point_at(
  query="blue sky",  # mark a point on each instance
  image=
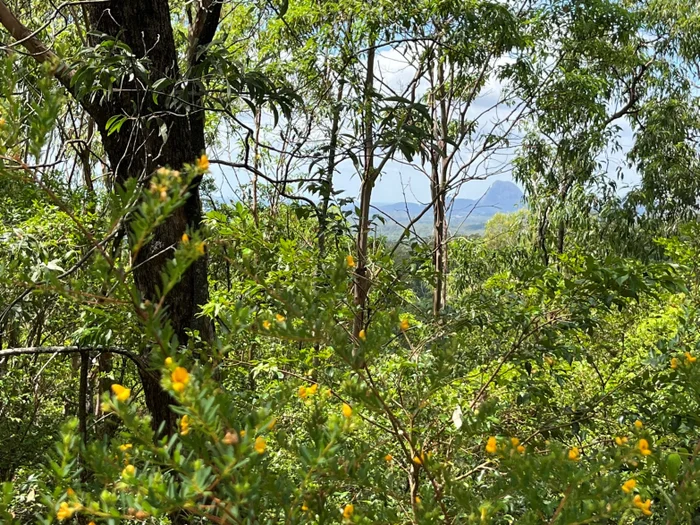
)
(400, 181)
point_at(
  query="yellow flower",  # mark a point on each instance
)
(690, 358)
(521, 449)
(404, 325)
(638, 424)
(418, 500)
(168, 362)
(70, 492)
(125, 447)
(574, 454)
(203, 163)
(515, 441)
(628, 486)
(362, 335)
(304, 507)
(312, 389)
(200, 247)
(122, 393)
(303, 392)
(185, 425)
(644, 447)
(180, 377)
(260, 444)
(644, 506)
(280, 318)
(242, 433)
(266, 324)
(417, 460)
(491, 445)
(128, 471)
(65, 511)
(91, 523)
(674, 363)
(347, 410)
(350, 261)
(348, 510)
(621, 440)
(185, 238)
(388, 458)
(2, 122)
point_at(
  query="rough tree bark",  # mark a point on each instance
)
(361, 285)
(439, 172)
(138, 150)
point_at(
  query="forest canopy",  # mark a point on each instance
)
(202, 319)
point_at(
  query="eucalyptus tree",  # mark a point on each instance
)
(142, 72)
(621, 93)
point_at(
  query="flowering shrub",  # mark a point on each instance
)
(562, 395)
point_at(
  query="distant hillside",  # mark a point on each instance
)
(465, 215)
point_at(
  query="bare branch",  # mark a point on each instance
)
(34, 350)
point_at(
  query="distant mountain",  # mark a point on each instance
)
(502, 196)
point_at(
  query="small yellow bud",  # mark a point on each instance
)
(491, 445)
(404, 325)
(122, 393)
(185, 425)
(347, 410)
(348, 511)
(350, 261)
(644, 447)
(185, 238)
(260, 444)
(362, 335)
(644, 506)
(628, 486)
(203, 163)
(638, 424)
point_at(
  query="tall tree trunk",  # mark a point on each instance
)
(362, 284)
(439, 170)
(256, 163)
(138, 148)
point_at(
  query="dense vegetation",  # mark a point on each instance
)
(168, 355)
